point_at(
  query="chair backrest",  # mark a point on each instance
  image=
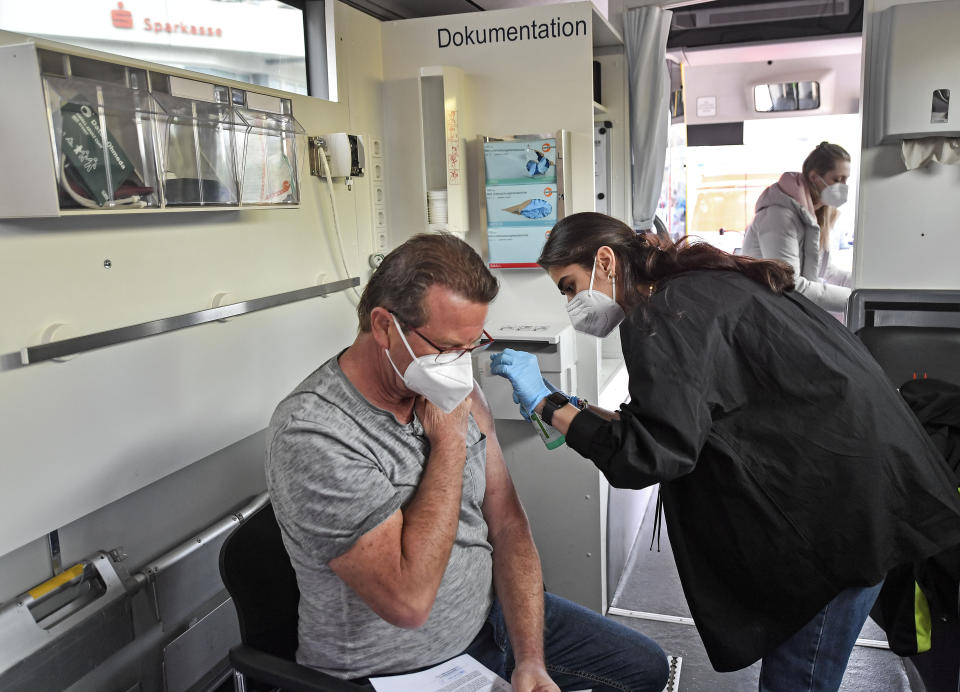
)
(256, 570)
(911, 353)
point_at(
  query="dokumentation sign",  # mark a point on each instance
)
(535, 30)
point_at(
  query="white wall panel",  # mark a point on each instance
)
(516, 87)
(81, 434)
(906, 236)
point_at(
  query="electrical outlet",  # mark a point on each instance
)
(379, 216)
(376, 166)
(382, 240)
(379, 193)
(376, 146)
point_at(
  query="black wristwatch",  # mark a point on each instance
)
(556, 400)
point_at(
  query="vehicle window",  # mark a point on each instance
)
(256, 41)
(786, 96)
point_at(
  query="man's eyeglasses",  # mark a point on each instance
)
(448, 355)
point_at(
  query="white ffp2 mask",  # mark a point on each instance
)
(594, 312)
(834, 195)
(443, 383)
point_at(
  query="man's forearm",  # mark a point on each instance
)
(430, 520)
(397, 566)
(519, 585)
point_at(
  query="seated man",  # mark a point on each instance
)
(396, 507)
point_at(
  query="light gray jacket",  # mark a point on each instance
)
(784, 230)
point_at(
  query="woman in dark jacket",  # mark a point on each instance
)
(792, 474)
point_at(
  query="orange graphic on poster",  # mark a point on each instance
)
(546, 147)
(547, 191)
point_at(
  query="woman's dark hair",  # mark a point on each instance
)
(401, 281)
(643, 259)
(821, 161)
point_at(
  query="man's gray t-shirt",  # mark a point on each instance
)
(337, 467)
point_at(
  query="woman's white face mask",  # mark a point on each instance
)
(594, 312)
(444, 382)
(833, 195)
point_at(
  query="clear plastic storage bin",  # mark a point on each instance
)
(93, 135)
(102, 121)
(271, 149)
(198, 157)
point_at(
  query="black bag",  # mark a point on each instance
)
(913, 595)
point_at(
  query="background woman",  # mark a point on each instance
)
(793, 476)
(793, 222)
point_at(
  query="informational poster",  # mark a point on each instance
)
(521, 199)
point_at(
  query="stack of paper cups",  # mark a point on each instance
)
(437, 209)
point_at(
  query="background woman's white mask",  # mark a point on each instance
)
(594, 312)
(833, 195)
(444, 383)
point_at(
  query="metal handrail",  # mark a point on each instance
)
(224, 525)
(89, 342)
(24, 633)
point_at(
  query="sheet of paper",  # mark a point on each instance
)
(461, 674)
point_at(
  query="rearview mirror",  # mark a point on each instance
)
(786, 96)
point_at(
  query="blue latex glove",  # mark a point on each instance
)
(523, 411)
(538, 166)
(523, 371)
(543, 164)
(537, 209)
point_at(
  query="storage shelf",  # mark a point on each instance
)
(176, 143)
(604, 34)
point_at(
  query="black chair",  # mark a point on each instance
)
(916, 353)
(256, 570)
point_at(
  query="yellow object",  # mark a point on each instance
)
(921, 615)
(56, 582)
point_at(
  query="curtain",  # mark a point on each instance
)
(645, 31)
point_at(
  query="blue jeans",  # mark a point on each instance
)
(814, 659)
(583, 650)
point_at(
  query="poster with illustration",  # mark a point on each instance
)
(521, 198)
(521, 205)
(520, 161)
